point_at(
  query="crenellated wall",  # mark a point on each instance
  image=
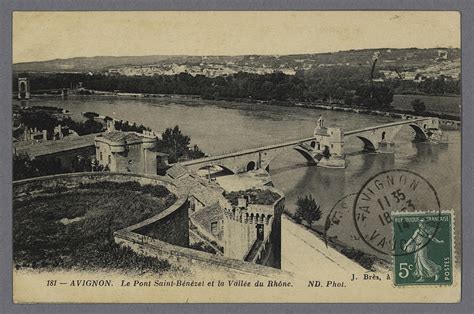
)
(241, 228)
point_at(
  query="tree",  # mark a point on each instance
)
(418, 106)
(39, 119)
(176, 144)
(90, 115)
(24, 167)
(378, 96)
(307, 209)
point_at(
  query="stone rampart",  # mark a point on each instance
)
(186, 257)
(164, 236)
(72, 180)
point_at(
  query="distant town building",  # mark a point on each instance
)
(206, 69)
(113, 72)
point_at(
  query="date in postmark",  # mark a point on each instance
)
(426, 254)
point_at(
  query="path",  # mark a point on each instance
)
(304, 253)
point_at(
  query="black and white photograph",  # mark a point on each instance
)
(236, 156)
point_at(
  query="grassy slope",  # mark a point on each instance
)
(42, 241)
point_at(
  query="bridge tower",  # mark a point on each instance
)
(329, 147)
(23, 88)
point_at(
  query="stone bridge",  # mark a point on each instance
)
(380, 138)
(247, 160)
(325, 148)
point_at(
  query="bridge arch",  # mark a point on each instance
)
(420, 133)
(225, 169)
(368, 144)
(305, 153)
(303, 149)
(251, 166)
(22, 87)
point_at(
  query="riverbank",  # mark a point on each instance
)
(447, 121)
(445, 124)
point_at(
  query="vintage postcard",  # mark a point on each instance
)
(257, 156)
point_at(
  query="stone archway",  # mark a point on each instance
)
(368, 144)
(251, 166)
(420, 134)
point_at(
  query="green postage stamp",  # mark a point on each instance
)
(423, 248)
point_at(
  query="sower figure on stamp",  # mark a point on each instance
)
(424, 267)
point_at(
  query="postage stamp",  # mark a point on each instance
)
(425, 256)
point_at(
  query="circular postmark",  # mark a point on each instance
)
(339, 224)
(397, 190)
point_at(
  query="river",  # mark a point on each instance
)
(223, 127)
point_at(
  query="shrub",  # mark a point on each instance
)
(366, 261)
(418, 106)
(307, 209)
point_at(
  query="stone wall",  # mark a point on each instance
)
(240, 231)
(72, 180)
(188, 257)
(170, 226)
(68, 157)
(163, 236)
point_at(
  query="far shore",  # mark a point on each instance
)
(197, 99)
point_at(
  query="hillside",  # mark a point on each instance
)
(388, 59)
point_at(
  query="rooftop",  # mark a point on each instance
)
(118, 136)
(177, 171)
(203, 192)
(52, 147)
(256, 196)
(207, 215)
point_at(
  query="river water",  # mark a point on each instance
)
(223, 127)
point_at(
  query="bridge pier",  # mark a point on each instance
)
(386, 147)
(328, 149)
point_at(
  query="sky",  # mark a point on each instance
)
(40, 36)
